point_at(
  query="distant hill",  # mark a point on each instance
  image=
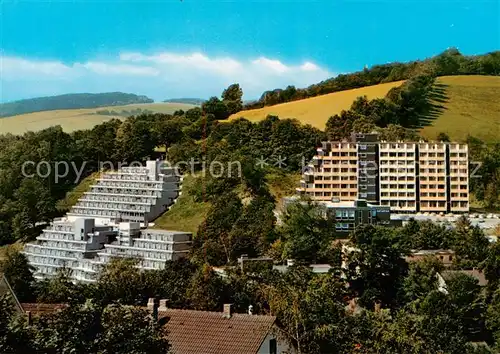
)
(83, 118)
(471, 107)
(70, 101)
(193, 101)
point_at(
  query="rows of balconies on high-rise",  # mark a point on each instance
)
(408, 176)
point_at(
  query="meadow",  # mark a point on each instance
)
(472, 106)
(317, 110)
(77, 119)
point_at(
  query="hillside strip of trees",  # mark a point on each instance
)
(70, 101)
(450, 62)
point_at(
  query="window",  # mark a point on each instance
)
(273, 347)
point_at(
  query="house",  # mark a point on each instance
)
(27, 309)
(447, 274)
(444, 256)
(6, 290)
(204, 332)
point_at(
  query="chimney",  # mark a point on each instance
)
(228, 310)
(163, 305)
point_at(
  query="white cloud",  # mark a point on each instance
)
(159, 75)
(119, 69)
(274, 65)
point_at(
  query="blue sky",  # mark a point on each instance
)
(195, 48)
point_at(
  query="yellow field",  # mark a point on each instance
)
(76, 119)
(317, 110)
(473, 107)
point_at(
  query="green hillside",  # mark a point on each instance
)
(72, 197)
(70, 101)
(472, 106)
(77, 119)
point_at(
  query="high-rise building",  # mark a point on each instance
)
(398, 164)
(333, 172)
(368, 162)
(407, 176)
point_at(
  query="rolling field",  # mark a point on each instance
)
(472, 107)
(317, 110)
(76, 119)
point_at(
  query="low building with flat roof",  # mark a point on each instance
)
(444, 256)
(349, 214)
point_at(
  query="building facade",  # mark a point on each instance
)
(131, 194)
(84, 248)
(409, 177)
(348, 215)
(111, 220)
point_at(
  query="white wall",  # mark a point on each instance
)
(283, 348)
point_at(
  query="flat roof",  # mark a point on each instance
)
(350, 204)
(161, 231)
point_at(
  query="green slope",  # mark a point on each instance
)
(472, 107)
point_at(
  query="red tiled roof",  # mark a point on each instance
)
(40, 309)
(202, 332)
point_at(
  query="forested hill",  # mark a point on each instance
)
(70, 101)
(450, 62)
(193, 101)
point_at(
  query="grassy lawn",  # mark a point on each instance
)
(186, 214)
(72, 197)
(473, 108)
(282, 184)
(3, 249)
(76, 119)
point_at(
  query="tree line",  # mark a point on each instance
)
(204, 134)
(450, 62)
(70, 101)
(378, 303)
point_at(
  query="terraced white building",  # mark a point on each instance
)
(131, 194)
(111, 221)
